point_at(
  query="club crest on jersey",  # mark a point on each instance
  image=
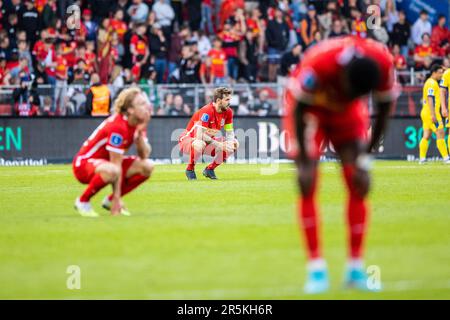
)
(205, 117)
(116, 140)
(308, 80)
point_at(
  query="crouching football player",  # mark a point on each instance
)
(200, 135)
(327, 100)
(102, 161)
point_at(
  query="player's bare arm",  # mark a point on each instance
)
(444, 103)
(432, 110)
(116, 160)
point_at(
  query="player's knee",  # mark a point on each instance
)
(305, 181)
(111, 172)
(361, 183)
(198, 145)
(147, 168)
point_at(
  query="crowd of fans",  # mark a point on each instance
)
(120, 42)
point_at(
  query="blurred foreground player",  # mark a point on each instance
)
(200, 135)
(102, 160)
(327, 101)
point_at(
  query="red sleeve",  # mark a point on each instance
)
(116, 137)
(134, 40)
(205, 118)
(388, 89)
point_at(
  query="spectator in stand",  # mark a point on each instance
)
(277, 36)
(158, 49)
(61, 69)
(262, 107)
(29, 21)
(399, 63)
(139, 47)
(337, 30)
(401, 33)
(231, 37)
(12, 27)
(204, 44)
(24, 52)
(308, 27)
(248, 56)
(26, 101)
(358, 24)
(420, 27)
(177, 41)
(90, 25)
(122, 5)
(105, 54)
(49, 14)
(189, 66)
(98, 99)
(194, 9)
(257, 25)
(290, 60)
(390, 16)
(219, 73)
(206, 23)
(179, 107)
(205, 71)
(327, 18)
(138, 11)
(5, 76)
(118, 24)
(20, 70)
(164, 16)
(423, 51)
(440, 37)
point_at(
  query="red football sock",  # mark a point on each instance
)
(218, 160)
(95, 185)
(356, 216)
(307, 213)
(192, 159)
(130, 184)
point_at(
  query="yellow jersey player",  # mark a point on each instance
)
(445, 99)
(431, 115)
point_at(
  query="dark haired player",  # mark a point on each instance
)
(200, 136)
(327, 101)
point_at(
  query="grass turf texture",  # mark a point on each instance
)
(232, 238)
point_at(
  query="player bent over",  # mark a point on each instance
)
(431, 116)
(102, 160)
(327, 100)
(200, 135)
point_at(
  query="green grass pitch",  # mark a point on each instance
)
(235, 238)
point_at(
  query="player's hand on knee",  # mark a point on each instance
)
(229, 146)
(198, 145)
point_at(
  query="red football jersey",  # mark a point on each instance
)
(209, 118)
(114, 134)
(318, 78)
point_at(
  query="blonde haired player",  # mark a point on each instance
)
(445, 99)
(102, 161)
(431, 115)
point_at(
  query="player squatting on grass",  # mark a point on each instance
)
(199, 138)
(102, 161)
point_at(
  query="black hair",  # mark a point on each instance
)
(423, 11)
(363, 75)
(434, 68)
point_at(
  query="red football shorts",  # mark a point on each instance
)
(84, 169)
(322, 125)
(185, 144)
